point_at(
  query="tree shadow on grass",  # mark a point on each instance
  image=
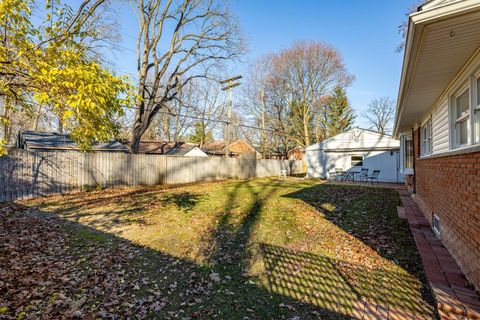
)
(342, 287)
(100, 275)
(184, 201)
(297, 284)
(369, 215)
(128, 206)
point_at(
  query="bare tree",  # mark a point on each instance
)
(172, 122)
(197, 35)
(286, 91)
(309, 70)
(380, 114)
(255, 103)
(210, 108)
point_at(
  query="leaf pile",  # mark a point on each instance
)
(43, 274)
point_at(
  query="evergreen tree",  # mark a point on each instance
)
(337, 115)
(200, 134)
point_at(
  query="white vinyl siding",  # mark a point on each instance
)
(440, 128)
(455, 121)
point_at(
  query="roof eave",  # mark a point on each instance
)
(416, 24)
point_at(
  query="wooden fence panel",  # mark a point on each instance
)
(26, 174)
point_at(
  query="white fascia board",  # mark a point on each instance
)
(449, 10)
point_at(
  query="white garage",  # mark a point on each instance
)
(354, 150)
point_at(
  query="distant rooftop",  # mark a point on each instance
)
(176, 148)
(33, 140)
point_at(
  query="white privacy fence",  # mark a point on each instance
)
(25, 174)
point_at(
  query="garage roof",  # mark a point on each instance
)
(357, 139)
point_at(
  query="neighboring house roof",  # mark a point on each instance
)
(236, 147)
(216, 147)
(296, 153)
(34, 140)
(186, 150)
(356, 139)
(297, 148)
(176, 148)
(442, 37)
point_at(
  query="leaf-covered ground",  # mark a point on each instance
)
(258, 249)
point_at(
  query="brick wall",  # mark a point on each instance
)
(450, 187)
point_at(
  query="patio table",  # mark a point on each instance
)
(354, 173)
(349, 175)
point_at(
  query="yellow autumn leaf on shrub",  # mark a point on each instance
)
(60, 75)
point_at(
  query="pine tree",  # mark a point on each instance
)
(200, 134)
(337, 114)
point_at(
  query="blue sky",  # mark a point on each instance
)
(365, 32)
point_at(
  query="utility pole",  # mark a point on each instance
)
(264, 133)
(230, 84)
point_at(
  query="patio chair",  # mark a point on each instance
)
(374, 176)
(349, 176)
(363, 175)
(335, 175)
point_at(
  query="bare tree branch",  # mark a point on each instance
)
(198, 34)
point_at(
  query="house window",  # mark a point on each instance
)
(356, 161)
(426, 138)
(436, 225)
(461, 114)
(407, 154)
(476, 112)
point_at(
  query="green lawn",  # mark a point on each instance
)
(255, 249)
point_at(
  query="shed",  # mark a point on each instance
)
(354, 150)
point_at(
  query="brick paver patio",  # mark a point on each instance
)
(455, 299)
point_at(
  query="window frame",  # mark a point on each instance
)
(475, 108)
(436, 225)
(426, 138)
(408, 170)
(359, 163)
(456, 121)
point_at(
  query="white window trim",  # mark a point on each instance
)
(475, 112)
(357, 155)
(426, 137)
(436, 222)
(403, 154)
(466, 116)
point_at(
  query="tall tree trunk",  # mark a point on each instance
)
(136, 136)
(6, 124)
(60, 125)
(306, 133)
(36, 118)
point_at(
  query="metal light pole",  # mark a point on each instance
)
(230, 84)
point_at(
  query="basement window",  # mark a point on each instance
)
(436, 225)
(356, 161)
